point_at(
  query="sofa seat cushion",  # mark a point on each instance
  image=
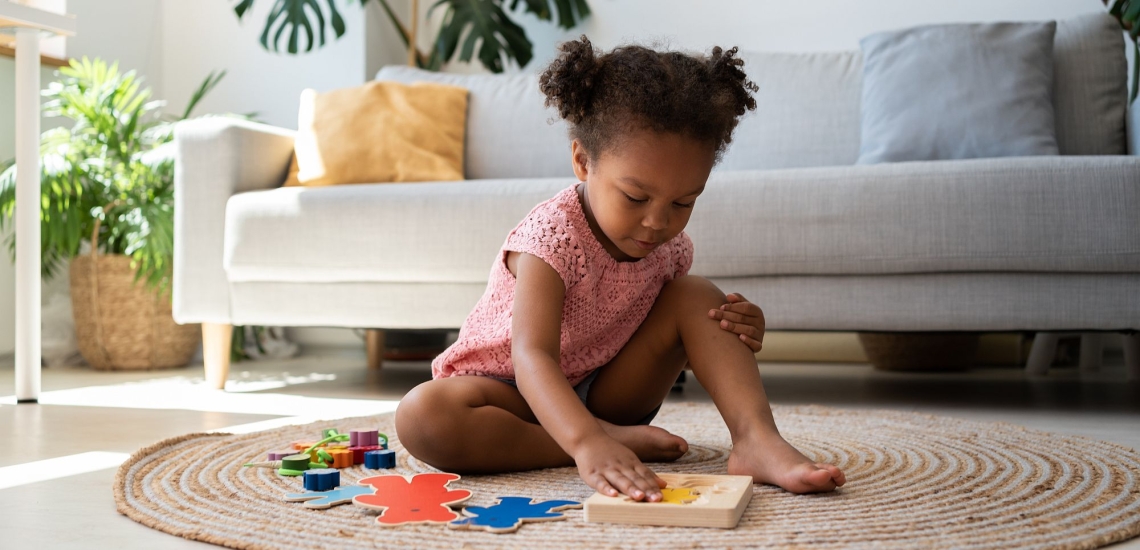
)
(429, 232)
(1044, 214)
(1032, 214)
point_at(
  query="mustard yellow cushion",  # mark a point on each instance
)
(380, 132)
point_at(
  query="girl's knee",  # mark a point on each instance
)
(691, 289)
(422, 419)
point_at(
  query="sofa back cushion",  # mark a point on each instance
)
(807, 112)
(510, 133)
(1090, 89)
(808, 108)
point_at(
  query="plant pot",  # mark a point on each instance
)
(124, 326)
(920, 351)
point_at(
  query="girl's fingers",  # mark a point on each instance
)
(605, 488)
(753, 344)
(626, 485)
(647, 485)
(742, 329)
(733, 316)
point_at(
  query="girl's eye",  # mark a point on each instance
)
(684, 205)
(638, 201)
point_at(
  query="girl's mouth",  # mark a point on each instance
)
(645, 245)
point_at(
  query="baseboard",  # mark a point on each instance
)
(999, 348)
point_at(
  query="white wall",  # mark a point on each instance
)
(199, 37)
(779, 25)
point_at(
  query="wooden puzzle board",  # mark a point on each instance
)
(713, 501)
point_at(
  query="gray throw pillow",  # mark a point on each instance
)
(958, 91)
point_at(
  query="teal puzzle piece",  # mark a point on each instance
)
(325, 499)
(510, 513)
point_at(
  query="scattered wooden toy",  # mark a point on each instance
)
(380, 459)
(278, 455)
(358, 452)
(275, 464)
(695, 501)
(678, 495)
(326, 499)
(294, 465)
(363, 438)
(510, 513)
(323, 479)
(341, 458)
(420, 498)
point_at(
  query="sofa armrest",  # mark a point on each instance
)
(1132, 128)
(216, 158)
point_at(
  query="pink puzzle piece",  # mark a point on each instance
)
(422, 498)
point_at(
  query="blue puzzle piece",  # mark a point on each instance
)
(325, 499)
(510, 513)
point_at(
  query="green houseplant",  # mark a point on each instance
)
(467, 27)
(1127, 12)
(108, 180)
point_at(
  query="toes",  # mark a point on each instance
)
(836, 473)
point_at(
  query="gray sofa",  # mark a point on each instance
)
(1048, 243)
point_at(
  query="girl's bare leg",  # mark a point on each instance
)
(678, 327)
(472, 424)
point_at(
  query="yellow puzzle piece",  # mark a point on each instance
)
(680, 495)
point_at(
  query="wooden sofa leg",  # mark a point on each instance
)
(1092, 350)
(374, 344)
(216, 342)
(1132, 355)
(1042, 353)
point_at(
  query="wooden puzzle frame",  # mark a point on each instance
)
(720, 501)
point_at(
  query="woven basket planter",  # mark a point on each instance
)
(920, 351)
(121, 326)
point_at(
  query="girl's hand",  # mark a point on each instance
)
(743, 318)
(612, 468)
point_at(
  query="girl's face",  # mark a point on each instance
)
(640, 194)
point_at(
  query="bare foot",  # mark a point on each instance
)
(774, 461)
(649, 443)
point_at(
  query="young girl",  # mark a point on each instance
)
(589, 314)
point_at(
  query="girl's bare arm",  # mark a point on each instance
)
(536, 326)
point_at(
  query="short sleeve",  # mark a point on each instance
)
(682, 255)
(545, 233)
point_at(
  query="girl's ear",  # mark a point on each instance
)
(580, 160)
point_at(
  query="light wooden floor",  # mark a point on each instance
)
(82, 411)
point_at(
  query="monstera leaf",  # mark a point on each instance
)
(468, 28)
(1128, 13)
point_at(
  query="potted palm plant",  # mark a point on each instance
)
(108, 189)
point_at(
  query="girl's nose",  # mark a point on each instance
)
(656, 221)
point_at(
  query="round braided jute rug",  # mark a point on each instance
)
(914, 481)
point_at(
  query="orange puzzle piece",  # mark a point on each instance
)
(422, 498)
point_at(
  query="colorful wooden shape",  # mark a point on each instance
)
(363, 438)
(325, 499)
(299, 461)
(421, 498)
(380, 459)
(263, 464)
(678, 495)
(302, 445)
(323, 479)
(342, 458)
(510, 513)
(358, 452)
(278, 455)
(719, 502)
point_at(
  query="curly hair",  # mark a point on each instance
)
(605, 96)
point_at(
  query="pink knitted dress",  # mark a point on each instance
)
(606, 300)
